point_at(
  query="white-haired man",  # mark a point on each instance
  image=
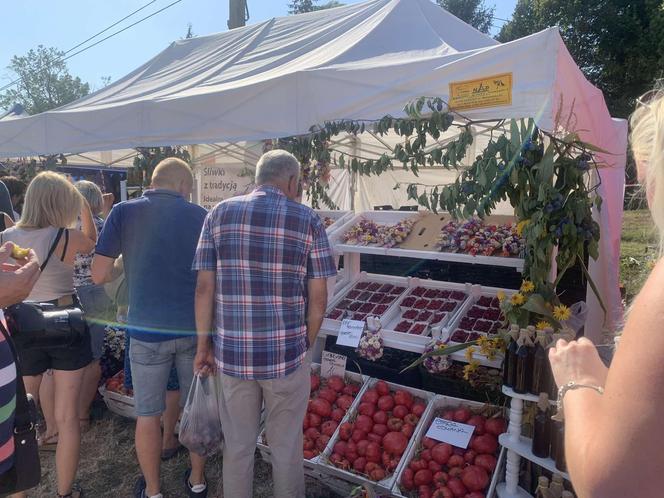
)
(263, 261)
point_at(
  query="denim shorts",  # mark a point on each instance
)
(98, 309)
(151, 364)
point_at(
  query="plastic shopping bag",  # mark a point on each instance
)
(200, 426)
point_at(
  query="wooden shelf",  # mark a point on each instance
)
(523, 449)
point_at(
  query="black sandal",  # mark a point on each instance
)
(76, 492)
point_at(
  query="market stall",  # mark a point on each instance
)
(351, 68)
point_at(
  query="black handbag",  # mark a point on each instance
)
(26, 472)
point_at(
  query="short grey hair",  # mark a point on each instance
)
(92, 193)
(276, 165)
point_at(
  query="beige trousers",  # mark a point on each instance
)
(286, 401)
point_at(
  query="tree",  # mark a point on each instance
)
(303, 6)
(619, 45)
(473, 12)
(44, 81)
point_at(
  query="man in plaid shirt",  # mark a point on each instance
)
(263, 261)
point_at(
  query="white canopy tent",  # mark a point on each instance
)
(363, 61)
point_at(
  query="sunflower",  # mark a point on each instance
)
(542, 325)
(518, 299)
(561, 313)
(501, 295)
(469, 353)
(527, 287)
(520, 226)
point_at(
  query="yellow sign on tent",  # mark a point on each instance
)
(491, 91)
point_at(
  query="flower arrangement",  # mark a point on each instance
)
(370, 233)
(475, 237)
(436, 363)
(371, 345)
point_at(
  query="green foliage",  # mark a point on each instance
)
(303, 6)
(148, 158)
(44, 81)
(473, 12)
(544, 177)
(619, 45)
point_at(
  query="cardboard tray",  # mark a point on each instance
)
(384, 486)
(437, 403)
(266, 453)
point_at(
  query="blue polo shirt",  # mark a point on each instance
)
(157, 236)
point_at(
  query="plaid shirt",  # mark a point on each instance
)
(263, 248)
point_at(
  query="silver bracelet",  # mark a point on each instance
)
(571, 386)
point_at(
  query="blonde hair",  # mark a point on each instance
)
(170, 172)
(647, 141)
(50, 201)
(91, 193)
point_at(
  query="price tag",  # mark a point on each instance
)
(350, 333)
(333, 364)
(450, 432)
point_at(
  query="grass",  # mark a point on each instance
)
(109, 469)
(638, 251)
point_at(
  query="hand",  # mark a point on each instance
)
(16, 280)
(577, 361)
(204, 363)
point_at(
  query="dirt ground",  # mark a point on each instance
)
(109, 467)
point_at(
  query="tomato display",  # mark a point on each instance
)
(440, 470)
(380, 432)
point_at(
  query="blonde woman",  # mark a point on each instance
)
(52, 204)
(613, 443)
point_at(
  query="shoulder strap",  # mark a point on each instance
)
(3, 226)
(64, 250)
(52, 249)
(23, 419)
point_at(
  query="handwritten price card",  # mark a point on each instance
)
(333, 364)
(350, 333)
(450, 432)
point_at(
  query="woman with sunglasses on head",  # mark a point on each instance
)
(613, 444)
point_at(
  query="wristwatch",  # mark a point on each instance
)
(571, 386)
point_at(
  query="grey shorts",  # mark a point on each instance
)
(151, 364)
(98, 309)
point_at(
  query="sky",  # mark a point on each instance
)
(65, 23)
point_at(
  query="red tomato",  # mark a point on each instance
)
(345, 431)
(380, 429)
(403, 398)
(374, 438)
(358, 435)
(411, 419)
(371, 396)
(382, 388)
(418, 408)
(363, 422)
(423, 476)
(367, 409)
(394, 424)
(359, 464)
(462, 415)
(380, 417)
(400, 411)
(408, 430)
(385, 403)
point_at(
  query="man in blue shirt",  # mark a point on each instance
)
(156, 235)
